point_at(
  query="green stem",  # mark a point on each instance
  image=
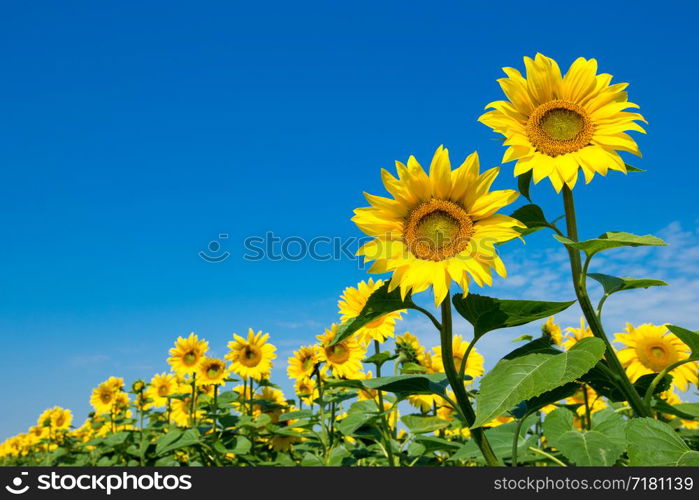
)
(579, 282)
(462, 368)
(457, 386)
(387, 428)
(659, 377)
(515, 439)
(547, 455)
(321, 407)
(588, 418)
(434, 321)
(192, 416)
(215, 419)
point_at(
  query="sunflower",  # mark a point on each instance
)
(409, 348)
(353, 301)
(251, 357)
(555, 125)
(552, 331)
(104, 396)
(438, 227)
(651, 349)
(181, 411)
(303, 362)
(575, 335)
(345, 357)
(187, 353)
(306, 390)
(474, 365)
(269, 401)
(61, 418)
(423, 402)
(212, 371)
(161, 386)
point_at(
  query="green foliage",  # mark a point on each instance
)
(613, 284)
(655, 443)
(529, 375)
(603, 444)
(610, 240)
(487, 313)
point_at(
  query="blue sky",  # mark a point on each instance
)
(132, 135)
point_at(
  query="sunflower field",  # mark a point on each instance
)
(368, 393)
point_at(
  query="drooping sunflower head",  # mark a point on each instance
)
(353, 301)
(437, 228)
(303, 362)
(161, 386)
(181, 412)
(187, 353)
(251, 356)
(344, 359)
(552, 331)
(575, 335)
(650, 349)
(555, 125)
(212, 371)
(474, 364)
(409, 348)
(306, 389)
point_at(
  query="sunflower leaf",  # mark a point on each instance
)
(524, 183)
(531, 216)
(433, 383)
(613, 284)
(380, 302)
(421, 424)
(611, 240)
(603, 444)
(655, 443)
(631, 168)
(514, 380)
(688, 337)
(487, 313)
(380, 358)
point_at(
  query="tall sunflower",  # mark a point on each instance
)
(161, 386)
(474, 364)
(212, 371)
(438, 227)
(104, 397)
(306, 389)
(345, 357)
(353, 301)
(303, 362)
(652, 348)
(61, 418)
(251, 357)
(187, 353)
(181, 411)
(555, 125)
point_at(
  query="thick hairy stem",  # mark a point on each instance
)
(384, 419)
(457, 385)
(579, 282)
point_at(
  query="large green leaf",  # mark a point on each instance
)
(603, 385)
(531, 216)
(176, 439)
(613, 284)
(545, 399)
(611, 240)
(380, 302)
(655, 443)
(354, 421)
(487, 313)
(602, 445)
(524, 377)
(688, 337)
(418, 383)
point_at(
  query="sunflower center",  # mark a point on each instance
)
(437, 230)
(559, 127)
(337, 353)
(250, 356)
(190, 358)
(162, 391)
(307, 362)
(656, 356)
(106, 397)
(213, 371)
